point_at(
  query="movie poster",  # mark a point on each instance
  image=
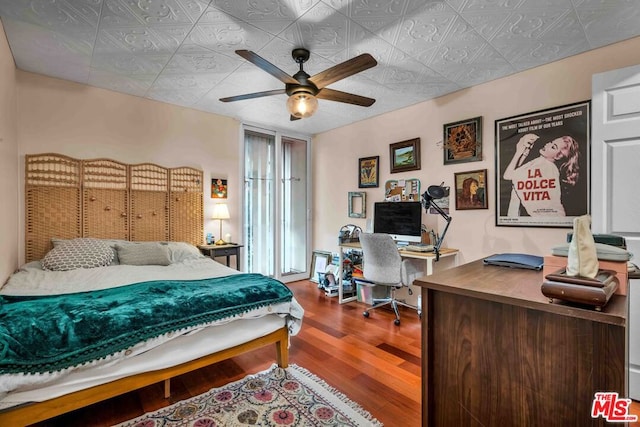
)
(543, 166)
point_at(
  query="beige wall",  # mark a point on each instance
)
(8, 162)
(472, 231)
(58, 116)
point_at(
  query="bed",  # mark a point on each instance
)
(36, 385)
(101, 230)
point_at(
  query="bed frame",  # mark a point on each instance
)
(104, 198)
(35, 412)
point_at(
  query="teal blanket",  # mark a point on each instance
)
(49, 333)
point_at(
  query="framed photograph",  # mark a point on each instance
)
(463, 141)
(405, 155)
(369, 171)
(543, 167)
(471, 190)
(218, 188)
(319, 262)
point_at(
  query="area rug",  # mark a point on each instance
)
(275, 397)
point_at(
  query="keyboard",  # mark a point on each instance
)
(418, 247)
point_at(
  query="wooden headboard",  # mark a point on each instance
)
(68, 198)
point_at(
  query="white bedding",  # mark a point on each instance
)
(164, 351)
(31, 279)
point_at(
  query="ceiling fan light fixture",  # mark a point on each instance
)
(302, 105)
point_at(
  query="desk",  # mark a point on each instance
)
(227, 250)
(496, 352)
(429, 258)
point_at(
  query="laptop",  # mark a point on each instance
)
(515, 260)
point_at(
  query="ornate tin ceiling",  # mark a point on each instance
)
(182, 51)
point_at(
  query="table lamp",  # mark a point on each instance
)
(220, 212)
(435, 192)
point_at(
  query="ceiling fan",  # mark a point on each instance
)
(304, 90)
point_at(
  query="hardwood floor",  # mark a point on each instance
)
(374, 362)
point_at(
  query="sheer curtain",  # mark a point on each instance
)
(259, 205)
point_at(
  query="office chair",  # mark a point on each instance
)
(382, 265)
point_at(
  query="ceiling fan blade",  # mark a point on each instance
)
(267, 66)
(342, 70)
(292, 118)
(253, 95)
(348, 98)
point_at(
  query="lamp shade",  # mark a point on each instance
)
(302, 105)
(220, 211)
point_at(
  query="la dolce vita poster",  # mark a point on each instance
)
(542, 164)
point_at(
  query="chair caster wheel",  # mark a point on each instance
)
(365, 314)
(396, 322)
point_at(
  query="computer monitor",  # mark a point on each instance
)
(402, 220)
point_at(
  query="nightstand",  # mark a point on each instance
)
(226, 250)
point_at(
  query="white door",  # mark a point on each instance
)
(615, 178)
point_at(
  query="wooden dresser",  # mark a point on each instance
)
(495, 352)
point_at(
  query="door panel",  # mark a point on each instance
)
(615, 168)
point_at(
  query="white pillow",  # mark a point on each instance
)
(181, 251)
(147, 253)
(78, 253)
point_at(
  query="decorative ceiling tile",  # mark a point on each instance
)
(322, 30)
(182, 97)
(269, 15)
(201, 83)
(487, 24)
(605, 24)
(375, 46)
(423, 32)
(129, 64)
(150, 12)
(183, 51)
(203, 61)
(228, 36)
(404, 69)
(46, 52)
(130, 84)
(487, 65)
(535, 53)
(141, 39)
(527, 25)
(76, 18)
(461, 45)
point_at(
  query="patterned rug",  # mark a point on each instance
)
(275, 397)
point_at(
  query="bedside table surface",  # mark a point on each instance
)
(227, 250)
(226, 245)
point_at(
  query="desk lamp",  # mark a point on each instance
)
(435, 192)
(220, 212)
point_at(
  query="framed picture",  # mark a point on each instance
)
(463, 141)
(319, 262)
(357, 204)
(402, 190)
(369, 171)
(218, 188)
(542, 167)
(405, 155)
(471, 190)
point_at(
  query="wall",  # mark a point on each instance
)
(9, 180)
(58, 116)
(472, 231)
